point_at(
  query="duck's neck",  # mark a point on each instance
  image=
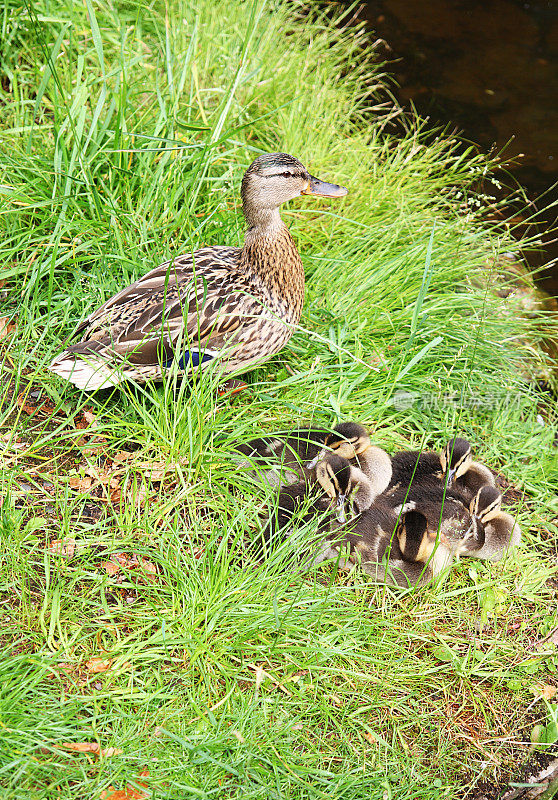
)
(376, 465)
(365, 494)
(264, 221)
(270, 257)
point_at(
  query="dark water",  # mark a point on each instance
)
(491, 68)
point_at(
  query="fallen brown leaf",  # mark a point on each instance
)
(90, 747)
(111, 751)
(115, 495)
(369, 738)
(95, 445)
(46, 407)
(129, 793)
(122, 456)
(63, 547)
(148, 566)
(546, 691)
(81, 747)
(97, 664)
(6, 326)
(110, 567)
(86, 419)
(137, 494)
(81, 484)
(120, 561)
(156, 470)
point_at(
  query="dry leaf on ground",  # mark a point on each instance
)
(85, 420)
(546, 691)
(63, 547)
(122, 456)
(120, 561)
(97, 664)
(110, 567)
(148, 566)
(129, 793)
(156, 470)
(92, 445)
(14, 444)
(81, 484)
(6, 326)
(90, 747)
(28, 405)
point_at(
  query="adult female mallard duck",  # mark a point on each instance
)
(239, 304)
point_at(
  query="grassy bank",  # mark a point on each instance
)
(132, 615)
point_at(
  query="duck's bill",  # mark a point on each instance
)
(341, 509)
(312, 464)
(323, 189)
(451, 474)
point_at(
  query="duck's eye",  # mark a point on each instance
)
(286, 174)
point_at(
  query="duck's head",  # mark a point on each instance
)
(347, 440)
(456, 458)
(333, 474)
(486, 504)
(274, 178)
(416, 541)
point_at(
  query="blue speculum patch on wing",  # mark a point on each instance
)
(191, 358)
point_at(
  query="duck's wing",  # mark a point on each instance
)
(198, 300)
(200, 297)
(181, 271)
(192, 309)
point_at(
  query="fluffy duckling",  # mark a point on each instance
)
(397, 549)
(372, 466)
(335, 479)
(495, 532)
(462, 472)
(454, 464)
(301, 450)
(340, 479)
(445, 508)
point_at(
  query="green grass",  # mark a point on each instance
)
(125, 130)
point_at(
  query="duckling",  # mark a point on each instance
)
(495, 532)
(335, 479)
(454, 464)
(443, 506)
(397, 549)
(340, 479)
(425, 553)
(240, 305)
(462, 472)
(300, 451)
(373, 463)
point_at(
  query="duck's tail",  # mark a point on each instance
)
(84, 366)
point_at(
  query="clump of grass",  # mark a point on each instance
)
(125, 132)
